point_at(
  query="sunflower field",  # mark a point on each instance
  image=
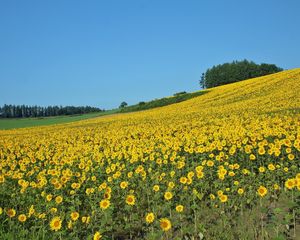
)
(224, 165)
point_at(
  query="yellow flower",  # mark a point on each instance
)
(291, 156)
(42, 215)
(271, 167)
(104, 204)
(168, 195)
(220, 193)
(183, 180)
(53, 210)
(290, 183)
(2, 179)
(223, 198)
(58, 199)
(70, 224)
(31, 211)
(130, 199)
(74, 216)
(123, 185)
(49, 197)
(165, 224)
(171, 185)
(150, 217)
(262, 191)
(179, 208)
(276, 186)
(240, 191)
(236, 183)
(155, 188)
(55, 224)
(261, 151)
(22, 217)
(210, 163)
(85, 219)
(97, 236)
(11, 212)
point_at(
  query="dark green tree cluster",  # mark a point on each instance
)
(236, 71)
(23, 111)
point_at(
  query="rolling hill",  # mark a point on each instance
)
(196, 168)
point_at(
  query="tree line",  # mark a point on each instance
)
(236, 71)
(24, 111)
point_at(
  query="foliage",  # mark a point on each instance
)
(123, 104)
(224, 165)
(234, 72)
(22, 111)
(179, 93)
(176, 98)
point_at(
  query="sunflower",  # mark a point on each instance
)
(97, 236)
(22, 217)
(165, 224)
(240, 191)
(210, 163)
(155, 188)
(58, 199)
(200, 175)
(183, 180)
(74, 216)
(223, 198)
(123, 185)
(55, 224)
(276, 186)
(104, 204)
(11, 212)
(31, 211)
(179, 208)
(168, 195)
(262, 191)
(150, 217)
(290, 183)
(49, 197)
(291, 156)
(130, 199)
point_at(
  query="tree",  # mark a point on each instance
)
(236, 71)
(123, 104)
(23, 111)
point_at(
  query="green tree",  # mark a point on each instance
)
(236, 71)
(123, 104)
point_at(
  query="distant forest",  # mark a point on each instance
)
(234, 72)
(23, 111)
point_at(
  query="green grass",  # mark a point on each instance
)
(8, 123)
(32, 122)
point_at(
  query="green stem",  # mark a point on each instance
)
(261, 220)
(294, 217)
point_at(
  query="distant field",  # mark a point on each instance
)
(31, 122)
(9, 123)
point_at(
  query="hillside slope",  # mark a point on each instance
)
(202, 166)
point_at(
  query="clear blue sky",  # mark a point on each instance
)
(100, 53)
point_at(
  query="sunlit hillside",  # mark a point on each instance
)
(191, 169)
